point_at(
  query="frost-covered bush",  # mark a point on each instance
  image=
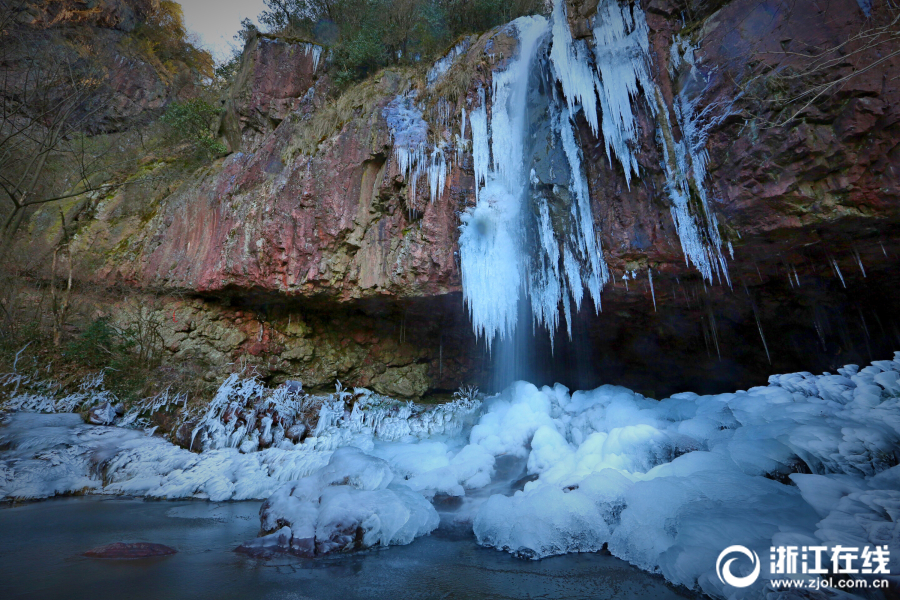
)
(33, 394)
(246, 414)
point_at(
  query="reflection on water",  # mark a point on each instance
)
(41, 543)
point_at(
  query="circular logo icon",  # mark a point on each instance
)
(724, 570)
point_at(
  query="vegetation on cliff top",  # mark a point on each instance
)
(366, 35)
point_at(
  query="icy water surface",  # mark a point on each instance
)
(41, 544)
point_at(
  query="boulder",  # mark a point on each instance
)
(130, 550)
(102, 414)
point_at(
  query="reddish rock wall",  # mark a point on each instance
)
(312, 215)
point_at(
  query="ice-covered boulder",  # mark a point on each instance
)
(352, 503)
(545, 520)
(104, 414)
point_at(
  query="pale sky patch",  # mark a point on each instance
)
(217, 21)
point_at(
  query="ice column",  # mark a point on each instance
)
(583, 265)
(490, 243)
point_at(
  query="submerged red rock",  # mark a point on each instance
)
(135, 550)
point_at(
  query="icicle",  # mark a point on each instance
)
(316, 52)
(865, 6)
(621, 53)
(572, 67)
(442, 113)
(705, 336)
(685, 165)
(443, 64)
(437, 173)
(652, 293)
(821, 334)
(585, 244)
(481, 152)
(837, 270)
(410, 135)
(761, 335)
(859, 262)
(462, 144)
(796, 278)
(409, 132)
(882, 249)
(715, 332)
(863, 319)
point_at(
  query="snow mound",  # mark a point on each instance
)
(352, 503)
(806, 460)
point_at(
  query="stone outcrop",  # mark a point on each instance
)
(303, 249)
(133, 550)
(136, 85)
(274, 77)
(403, 356)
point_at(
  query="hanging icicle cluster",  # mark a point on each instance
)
(409, 132)
(603, 80)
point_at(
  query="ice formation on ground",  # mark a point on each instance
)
(352, 503)
(245, 434)
(665, 485)
(45, 396)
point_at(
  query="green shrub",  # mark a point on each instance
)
(366, 35)
(97, 345)
(192, 122)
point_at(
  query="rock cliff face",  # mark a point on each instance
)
(138, 89)
(304, 251)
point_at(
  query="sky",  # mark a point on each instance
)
(217, 21)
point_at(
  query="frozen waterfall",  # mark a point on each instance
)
(490, 242)
(510, 243)
(531, 235)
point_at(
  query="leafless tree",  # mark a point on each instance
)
(53, 95)
(805, 75)
(60, 296)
